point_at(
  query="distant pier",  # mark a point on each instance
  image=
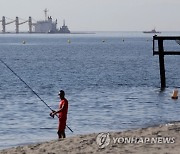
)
(160, 41)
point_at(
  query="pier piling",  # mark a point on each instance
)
(161, 54)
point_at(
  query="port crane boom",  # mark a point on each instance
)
(9, 22)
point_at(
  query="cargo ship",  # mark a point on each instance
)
(49, 26)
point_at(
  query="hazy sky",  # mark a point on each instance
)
(95, 15)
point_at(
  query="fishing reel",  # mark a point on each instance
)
(51, 114)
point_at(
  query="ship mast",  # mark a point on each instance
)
(45, 12)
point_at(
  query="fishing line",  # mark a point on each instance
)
(31, 89)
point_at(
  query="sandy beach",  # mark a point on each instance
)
(162, 139)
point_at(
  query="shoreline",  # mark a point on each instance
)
(157, 139)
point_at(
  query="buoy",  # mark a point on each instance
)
(69, 41)
(24, 42)
(175, 94)
(103, 40)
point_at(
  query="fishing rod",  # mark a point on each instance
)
(31, 90)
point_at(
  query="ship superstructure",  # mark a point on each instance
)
(49, 26)
(46, 26)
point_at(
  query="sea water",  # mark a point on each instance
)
(111, 80)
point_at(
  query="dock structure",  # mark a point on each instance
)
(161, 52)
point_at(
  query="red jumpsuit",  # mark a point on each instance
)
(63, 114)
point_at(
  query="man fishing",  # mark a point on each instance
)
(63, 110)
(63, 105)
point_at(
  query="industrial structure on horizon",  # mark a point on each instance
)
(44, 26)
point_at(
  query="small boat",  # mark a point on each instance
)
(152, 31)
(64, 28)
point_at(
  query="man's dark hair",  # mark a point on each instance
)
(61, 92)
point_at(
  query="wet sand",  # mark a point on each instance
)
(162, 139)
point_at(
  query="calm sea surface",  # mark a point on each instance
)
(111, 81)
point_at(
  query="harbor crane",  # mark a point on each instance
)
(29, 23)
(17, 23)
